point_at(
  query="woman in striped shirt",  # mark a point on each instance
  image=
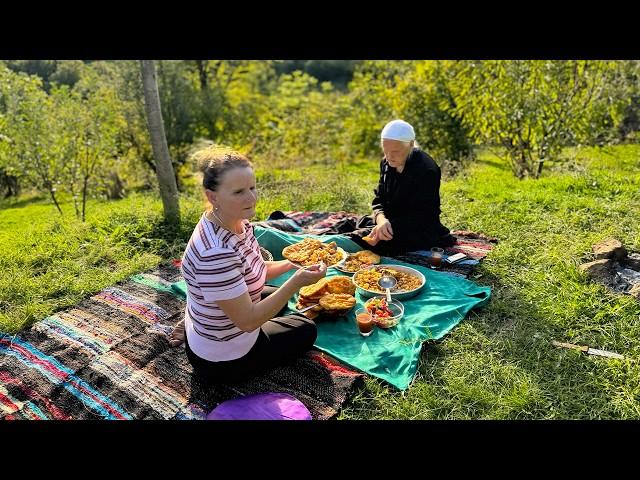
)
(231, 323)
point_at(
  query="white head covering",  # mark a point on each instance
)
(398, 130)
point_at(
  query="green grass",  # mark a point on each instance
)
(497, 364)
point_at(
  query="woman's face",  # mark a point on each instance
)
(396, 152)
(236, 196)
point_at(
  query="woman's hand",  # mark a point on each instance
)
(248, 316)
(383, 230)
(277, 268)
(309, 275)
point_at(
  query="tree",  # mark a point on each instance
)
(229, 98)
(31, 130)
(338, 72)
(164, 168)
(533, 108)
(303, 124)
(68, 72)
(424, 98)
(88, 134)
(42, 68)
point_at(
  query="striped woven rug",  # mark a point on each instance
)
(108, 358)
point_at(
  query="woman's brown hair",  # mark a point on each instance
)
(214, 161)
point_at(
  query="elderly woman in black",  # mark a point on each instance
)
(406, 207)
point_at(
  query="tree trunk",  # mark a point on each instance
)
(55, 201)
(75, 200)
(85, 185)
(202, 73)
(164, 168)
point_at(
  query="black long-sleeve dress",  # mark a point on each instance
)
(411, 202)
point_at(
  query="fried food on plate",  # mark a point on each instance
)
(316, 290)
(367, 256)
(311, 251)
(337, 303)
(335, 296)
(358, 260)
(341, 284)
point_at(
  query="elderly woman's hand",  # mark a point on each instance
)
(383, 230)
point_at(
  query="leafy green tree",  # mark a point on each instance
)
(70, 123)
(68, 72)
(231, 96)
(623, 103)
(533, 108)
(89, 131)
(424, 97)
(41, 68)
(338, 72)
(135, 166)
(179, 104)
(304, 123)
(30, 121)
(9, 182)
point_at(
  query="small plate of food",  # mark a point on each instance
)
(385, 314)
(332, 296)
(356, 261)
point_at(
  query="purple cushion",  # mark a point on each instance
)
(261, 406)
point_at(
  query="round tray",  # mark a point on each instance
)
(396, 295)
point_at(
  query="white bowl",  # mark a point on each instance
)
(399, 295)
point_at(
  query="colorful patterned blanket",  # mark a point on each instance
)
(108, 358)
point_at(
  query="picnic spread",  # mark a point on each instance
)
(390, 354)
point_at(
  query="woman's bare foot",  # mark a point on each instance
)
(177, 336)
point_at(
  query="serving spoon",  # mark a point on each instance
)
(387, 282)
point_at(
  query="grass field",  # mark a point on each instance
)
(498, 363)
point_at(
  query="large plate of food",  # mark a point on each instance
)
(410, 281)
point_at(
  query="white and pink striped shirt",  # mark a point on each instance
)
(220, 265)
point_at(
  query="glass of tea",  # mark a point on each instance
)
(436, 257)
(364, 320)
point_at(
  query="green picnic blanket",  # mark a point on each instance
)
(390, 354)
